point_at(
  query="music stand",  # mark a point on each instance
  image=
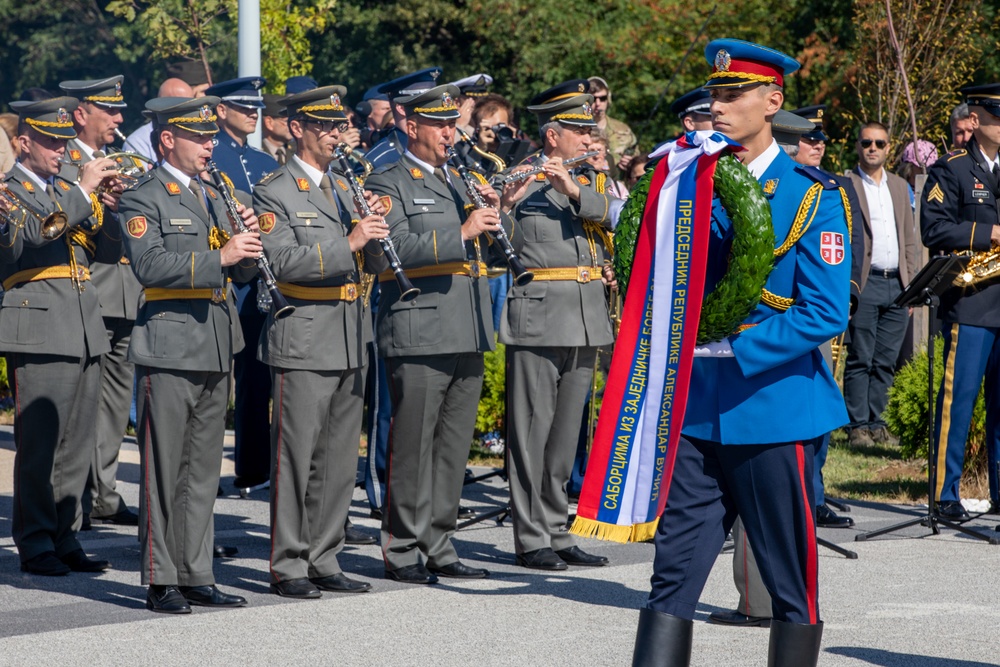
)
(926, 289)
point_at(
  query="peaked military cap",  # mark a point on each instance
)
(475, 85)
(272, 107)
(698, 100)
(194, 114)
(787, 127)
(568, 103)
(299, 84)
(105, 92)
(411, 84)
(736, 64)
(52, 117)
(191, 72)
(244, 92)
(438, 103)
(814, 114)
(374, 93)
(324, 103)
(986, 96)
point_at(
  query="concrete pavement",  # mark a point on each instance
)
(910, 600)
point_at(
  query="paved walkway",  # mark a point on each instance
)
(910, 600)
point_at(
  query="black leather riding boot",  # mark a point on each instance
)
(662, 640)
(794, 644)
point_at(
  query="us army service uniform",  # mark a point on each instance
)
(185, 334)
(433, 347)
(553, 327)
(318, 360)
(51, 331)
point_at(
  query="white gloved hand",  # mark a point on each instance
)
(715, 350)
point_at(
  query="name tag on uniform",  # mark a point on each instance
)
(424, 201)
(180, 222)
(538, 203)
(306, 214)
(980, 194)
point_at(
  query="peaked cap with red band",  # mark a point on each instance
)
(736, 64)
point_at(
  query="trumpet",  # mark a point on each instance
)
(279, 304)
(500, 181)
(522, 276)
(53, 225)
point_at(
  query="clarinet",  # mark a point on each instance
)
(522, 276)
(406, 288)
(280, 308)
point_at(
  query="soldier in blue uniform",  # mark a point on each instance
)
(762, 395)
(238, 112)
(392, 145)
(959, 213)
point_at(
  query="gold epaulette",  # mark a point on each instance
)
(956, 154)
(800, 224)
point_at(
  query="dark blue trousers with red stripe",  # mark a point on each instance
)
(771, 488)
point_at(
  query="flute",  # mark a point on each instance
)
(500, 181)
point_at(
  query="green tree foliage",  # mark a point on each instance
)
(906, 412)
(493, 397)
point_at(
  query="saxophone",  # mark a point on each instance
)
(981, 267)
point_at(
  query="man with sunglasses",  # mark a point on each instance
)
(95, 119)
(877, 327)
(959, 213)
(182, 249)
(622, 141)
(318, 246)
(238, 110)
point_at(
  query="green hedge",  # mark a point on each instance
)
(906, 413)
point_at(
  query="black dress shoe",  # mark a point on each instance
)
(465, 512)
(994, 508)
(737, 619)
(124, 518)
(210, 596)
(220, 551)
(353, 535)
(79, 562)
(166, 600)
(296, 588)
(459, 570)
(541, 559)
(412, 574)
(45, 564)
(952, 509)
(827, 518)
(376, 513)
(576, 556)
(341, 583)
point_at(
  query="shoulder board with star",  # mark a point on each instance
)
(269, 176)
(139, 181)
(955, 154)
(819, 176)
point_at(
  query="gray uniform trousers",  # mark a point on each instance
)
(181, 430)
(54, 434)
(315, 430)
(101, 498)
(754, 598)
(434, 403)
(548, 389)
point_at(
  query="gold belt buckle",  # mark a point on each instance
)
(218, 295)
(475, 270)
(352, 292)
(583, 274)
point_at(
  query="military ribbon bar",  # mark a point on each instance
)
(635, 443)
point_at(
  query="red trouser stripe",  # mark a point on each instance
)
(812, 566)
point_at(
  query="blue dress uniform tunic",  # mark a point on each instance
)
(746, 445)
(958, 214)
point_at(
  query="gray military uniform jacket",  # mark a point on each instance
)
(305, 239)
(166, 234)
(52, 316)
(452, 315)
(116, 284)
(552, 234)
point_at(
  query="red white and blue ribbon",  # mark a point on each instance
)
(642, 412)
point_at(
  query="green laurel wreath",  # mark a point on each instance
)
(751, 258)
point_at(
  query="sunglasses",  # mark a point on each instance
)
(600, 98)
(879, 143)
(327, 126)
